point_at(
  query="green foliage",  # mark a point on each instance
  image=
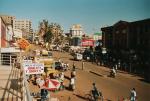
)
(52, 33)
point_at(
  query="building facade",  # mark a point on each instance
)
(2, 33)
(23, 25)
(8, 19)
(76, 30)
(127, 35)
(76, 33)
(130, 41)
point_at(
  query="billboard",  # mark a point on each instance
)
(87, 42)
(33, 68)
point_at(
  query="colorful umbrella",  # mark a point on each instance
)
(52, 84)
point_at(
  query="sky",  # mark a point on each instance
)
(91, 14)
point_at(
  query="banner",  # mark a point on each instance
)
(33, 68)
(87, 42)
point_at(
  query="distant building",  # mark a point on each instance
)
(76, 33)
(24, 25)
(17, 33)
(76, 30)
(97, 36)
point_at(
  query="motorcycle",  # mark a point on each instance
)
(112, 74)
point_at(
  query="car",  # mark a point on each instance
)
(58, 65)
(46, 53)
(78, 56)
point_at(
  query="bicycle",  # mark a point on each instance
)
(90, 97)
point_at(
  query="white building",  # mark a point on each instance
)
(17, 33)
(76, 30)
(23, 25)
(76, 33)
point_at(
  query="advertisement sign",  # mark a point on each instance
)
(87, 42)
(23, 43)
(33, 68)
(27, 61)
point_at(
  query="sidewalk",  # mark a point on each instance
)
(10, 85)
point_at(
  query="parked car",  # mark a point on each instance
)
(78, 56)
(58, 65)
(87, 55)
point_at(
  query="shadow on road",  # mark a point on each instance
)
(67, 77)
(143, 80)
(14, 85)
(12, 88)
(79, 96)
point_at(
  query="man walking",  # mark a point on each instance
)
(96, 93)
(133, 95)
(72, 83)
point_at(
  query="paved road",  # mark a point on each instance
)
(112, 88)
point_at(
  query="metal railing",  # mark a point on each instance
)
(26, 92)
(25, 88)
(7, 59)
(10, 59)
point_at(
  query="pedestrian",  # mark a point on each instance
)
(67, 64)
(44, 94)
(133, 95)
(116, 67)
(95, 92)
(82, 65)
(62, 76)
(73, 73)
(72, 83)
(73, 67)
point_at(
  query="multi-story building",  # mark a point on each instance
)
(24, 25)
(76, 30)
(8, 19)
(76, 33)
(130, 39)
(127, 35)
(17, 33)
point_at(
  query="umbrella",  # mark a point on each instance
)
(52, 84)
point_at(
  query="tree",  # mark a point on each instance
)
(51, 33)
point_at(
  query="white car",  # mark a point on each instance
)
(78, 56)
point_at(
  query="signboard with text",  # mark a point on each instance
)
(87, 42)
(27, 61)
(23, 43)
(33, 68)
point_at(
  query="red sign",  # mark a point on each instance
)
(87, 42)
